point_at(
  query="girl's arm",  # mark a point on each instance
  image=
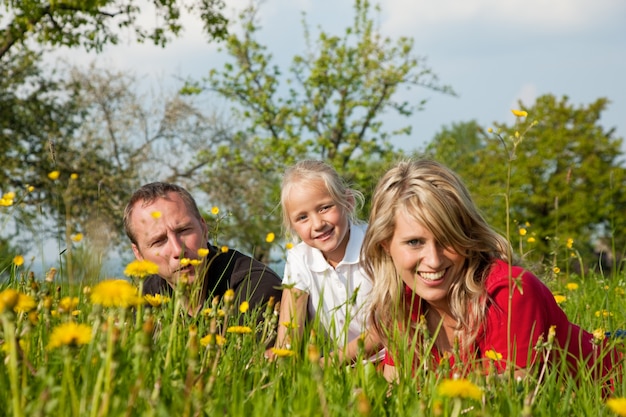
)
(293, 309)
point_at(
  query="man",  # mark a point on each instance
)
(164, 226)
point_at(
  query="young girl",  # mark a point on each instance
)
(440, 271)
(323, 272)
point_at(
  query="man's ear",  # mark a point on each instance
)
(137, 252)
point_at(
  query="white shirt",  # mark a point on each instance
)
(331, 291)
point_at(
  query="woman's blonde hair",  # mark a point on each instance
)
(307, 172)
(434, 196)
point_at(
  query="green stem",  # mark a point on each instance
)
(9, 336)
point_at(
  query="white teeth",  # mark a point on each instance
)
(432, 276)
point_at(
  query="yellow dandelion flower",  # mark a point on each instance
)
(77, 237)
(185, 262)
(54, 175)
(30, 188)
(522, 231)
(617, 405)
(239, 329)
(70, 334)
(206, 311)
(572, 286)
(620, 291)
(289, 245)
(559, 298)
(282, 353)
(224, 249)
(493, 355)
(215, 210)
(531, 240)
(519, 113)
(598, 335)
(73, 176)
(156, 300)
(527, 224)
(195, 262)
(156, 214)
(202, 252)
(115, 293)
(556, 270)
(11, 299)
(67, 304)
(270, 237)
(604, 314)
(213, 339)
(7, 199)
(18, 260)
(570, 243)
(244, 306)
(490, 130)
(459, 388)
(290, 324)
(141, 269)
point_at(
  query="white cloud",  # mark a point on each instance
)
(547, 15)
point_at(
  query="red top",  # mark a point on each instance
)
(534, 312)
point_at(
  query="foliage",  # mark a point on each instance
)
(562, 159)
(94, 24)
(328, 106)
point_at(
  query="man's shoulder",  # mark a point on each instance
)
(241, 266)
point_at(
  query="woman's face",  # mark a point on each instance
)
(424, 265)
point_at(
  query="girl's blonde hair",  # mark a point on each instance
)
(434, 196)
(311, 171)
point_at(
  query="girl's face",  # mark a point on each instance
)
(423, 264)
(318, 220)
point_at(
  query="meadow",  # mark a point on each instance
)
(102, 350)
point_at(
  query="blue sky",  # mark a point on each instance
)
(492, 52)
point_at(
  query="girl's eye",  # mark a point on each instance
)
(326, 208)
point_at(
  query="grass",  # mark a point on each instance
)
(154, 362)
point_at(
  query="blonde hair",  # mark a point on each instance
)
(311, 171)
(434, 196)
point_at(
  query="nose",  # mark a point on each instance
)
(176, 246)
(318, 222)
(432, 255)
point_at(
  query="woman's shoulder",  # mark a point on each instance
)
(501, 272)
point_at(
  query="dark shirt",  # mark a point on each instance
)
(251, 280)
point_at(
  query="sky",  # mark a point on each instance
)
(493, 53)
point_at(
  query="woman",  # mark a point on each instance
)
(442, 277)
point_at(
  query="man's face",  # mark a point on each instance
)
(166, 232)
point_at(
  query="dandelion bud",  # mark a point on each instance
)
(229, 297)
(51, 274)
(313, 353)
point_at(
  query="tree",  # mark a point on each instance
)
(329, 106)
(566, 178)
(93, 24)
